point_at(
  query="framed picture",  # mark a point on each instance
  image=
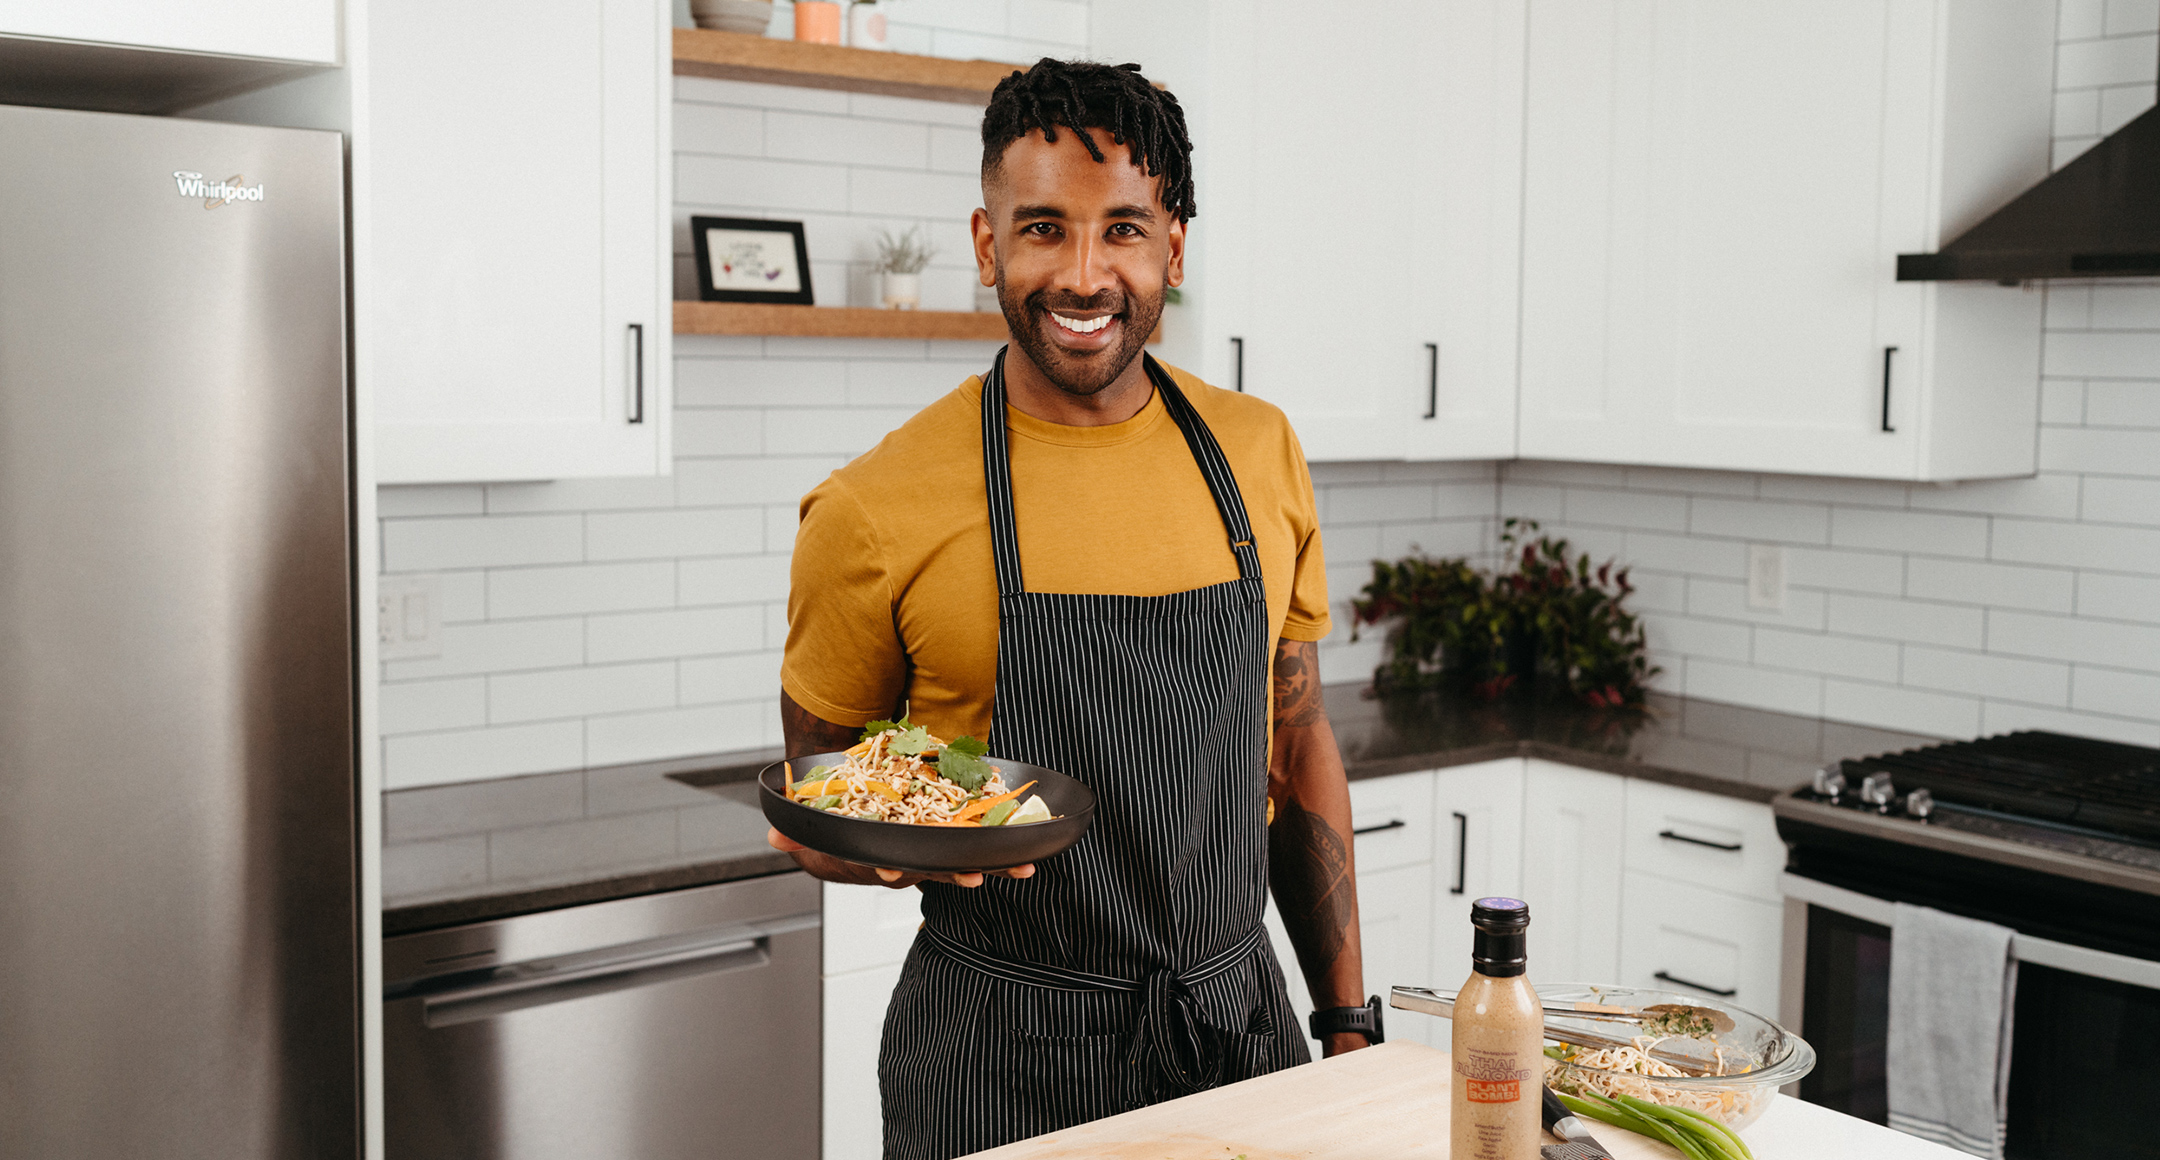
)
(751, 260)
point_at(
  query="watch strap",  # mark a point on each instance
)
(1364, 1020)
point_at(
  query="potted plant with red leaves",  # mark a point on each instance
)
(1550, 623)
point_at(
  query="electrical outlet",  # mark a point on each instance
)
(408, 617)
(1766, 577)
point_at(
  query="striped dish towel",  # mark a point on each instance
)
(1953, 990)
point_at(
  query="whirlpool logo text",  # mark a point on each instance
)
(216, 193)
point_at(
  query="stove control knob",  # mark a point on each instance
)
(1876, 790)
(1919, 804)
(1829, 782)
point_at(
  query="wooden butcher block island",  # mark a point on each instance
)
(1391, 1103)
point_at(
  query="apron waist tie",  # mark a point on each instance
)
(1168, 1032)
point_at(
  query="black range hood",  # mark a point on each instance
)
(2098, 216)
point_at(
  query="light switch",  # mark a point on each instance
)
(1766, 577)
(408, 617)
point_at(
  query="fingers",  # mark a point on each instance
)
(891, 875)
(780, 841)
(1027, 871)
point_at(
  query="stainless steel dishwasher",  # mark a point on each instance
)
(666, 1026)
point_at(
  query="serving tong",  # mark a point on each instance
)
(1442, 1003)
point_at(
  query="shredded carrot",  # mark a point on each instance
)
(976, 809)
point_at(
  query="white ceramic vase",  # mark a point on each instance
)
(866, 27)
(900, 291)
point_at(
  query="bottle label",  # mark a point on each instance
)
(1490, 1077)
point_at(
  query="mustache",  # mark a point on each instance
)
(1110, 301)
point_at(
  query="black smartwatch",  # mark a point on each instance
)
(1363, 1020)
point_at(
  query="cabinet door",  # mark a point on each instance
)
(510, 305)
(1682, 937)
(868, 926)
(1571, 872)
(1329, 335)
(305, 30)
(1391, 819)
(1477, 853)
(855, 1005)
(1715, 842)
(1467, 230)
(1395, 917)
(1703, 254)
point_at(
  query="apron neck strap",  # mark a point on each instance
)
(997, 474)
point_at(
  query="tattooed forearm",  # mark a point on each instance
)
(1297, 684)
(1314, 888)
(806, 732)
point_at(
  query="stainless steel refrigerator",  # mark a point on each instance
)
(178, 888)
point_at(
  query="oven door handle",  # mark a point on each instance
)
(2025, 948)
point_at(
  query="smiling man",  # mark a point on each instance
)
(1100, 564)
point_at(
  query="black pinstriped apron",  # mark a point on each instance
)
(1132, 968)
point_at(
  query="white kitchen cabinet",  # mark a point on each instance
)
(1715, 196)
(1477, 853)
(1395, 919)
(1354, 260)
(1715, 842)
(296, 30)
(511, 241)
(868, 930)
(1572, 854)
(1682, 937)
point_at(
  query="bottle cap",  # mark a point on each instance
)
(1499, 927)
(1500, 915)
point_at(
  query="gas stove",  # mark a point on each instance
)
(2050, 803)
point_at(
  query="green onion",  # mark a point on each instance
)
(1690, 1141)
(999, 812)
(1739, 1145)
(825, 803)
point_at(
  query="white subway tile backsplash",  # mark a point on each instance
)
(581, 495)
(2079, 545)
(2124, 405)
(742, 182)
(427, 706)
(1435, 538)
(1752, 520)
(674, 632)
(1970, 582)
(2118, 693)
(954, 149)
(459, 499)
(1727, 600)
(1924, 533)
(1533, 501)
(2126, 646)
(742, 677)
(429, 545)
(824, 431)
(2100, 450)
(2122, 501)
(1716, 640)
(1982, 675)
(2005, 717)
(471, 754)
(562, 693)
(574, 589)
(667, 535)
(912, 192)
(2123, 306)
(701, 432)
(1404, 501)
(2120, 104)
(734, 580)
(617, 738)
(751, 94)
(1665, 553)
(2098, 354)
(2052, 497)
(2080, 20)
(733, 129)
(497, 647)
(714, 382)
(1063, 21)
(1580, 474)
(2112, 597)
(747, 482)
(1868, 660)
(848, 140)
(1891, 707)
(1907, 620)
(1845, 570)
(1736, 684)
(2117, 60)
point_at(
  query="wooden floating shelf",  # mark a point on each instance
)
(842, 322)
(740, 56)
(836, 321)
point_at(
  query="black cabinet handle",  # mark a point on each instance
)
(1887, 353)
(1237, 363)
(1669, 836)
(637, 372)
(1462, 853)
(1361, 831)
(1676, 981)
(1432, 380)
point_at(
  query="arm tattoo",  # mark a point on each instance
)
(1312, 882)
(1297, 684)
(808, 733)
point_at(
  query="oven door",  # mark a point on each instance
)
(2082, 1058)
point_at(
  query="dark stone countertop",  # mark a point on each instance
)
(475, 851)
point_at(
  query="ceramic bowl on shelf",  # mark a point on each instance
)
(751, 16)
(1771, 1055)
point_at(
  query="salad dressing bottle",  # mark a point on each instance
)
(1498, 1044)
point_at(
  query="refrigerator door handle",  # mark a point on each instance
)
(636, 349)
(503, 996)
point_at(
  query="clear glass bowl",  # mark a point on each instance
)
(1771, 1055)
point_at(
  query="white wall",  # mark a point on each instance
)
(608, 621)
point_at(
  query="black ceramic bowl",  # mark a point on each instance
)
(934, 849)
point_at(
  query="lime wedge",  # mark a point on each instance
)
(1036, 810)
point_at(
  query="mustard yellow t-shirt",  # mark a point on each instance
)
(894, 594)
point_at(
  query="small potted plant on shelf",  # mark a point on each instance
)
(900, 265)
(1547, 625)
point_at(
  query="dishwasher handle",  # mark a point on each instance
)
(503, 996)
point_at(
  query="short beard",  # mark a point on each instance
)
(1088, 375)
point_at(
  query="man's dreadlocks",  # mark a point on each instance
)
(1079, 94)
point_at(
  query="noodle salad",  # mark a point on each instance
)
(1632, 1071)
(899, 772)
